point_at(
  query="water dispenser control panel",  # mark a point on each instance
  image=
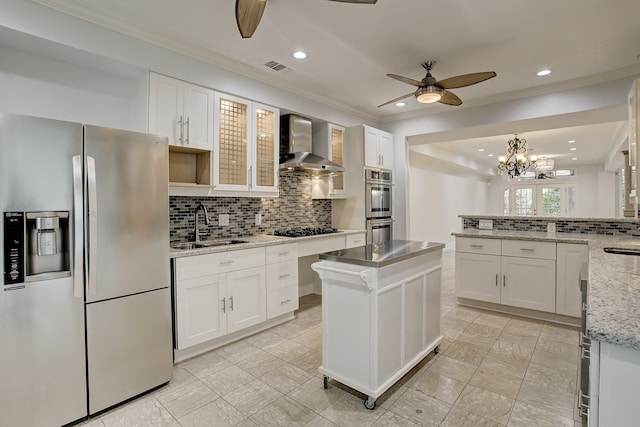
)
(13, 247)
(36, 246)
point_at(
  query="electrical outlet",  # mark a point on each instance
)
(223, 219)
(485, 224)
(258, 219)
(551, 227)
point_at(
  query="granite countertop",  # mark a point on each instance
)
(613, 315)
(381, 255)
(257, 241)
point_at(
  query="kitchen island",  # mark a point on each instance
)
(381, 307)
(610, 340)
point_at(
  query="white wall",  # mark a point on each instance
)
(596, 193)
(37, 85)
(47, 24)
(437, 196)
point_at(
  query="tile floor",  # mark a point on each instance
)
(492, 370)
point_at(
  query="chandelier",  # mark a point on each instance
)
(517, 161)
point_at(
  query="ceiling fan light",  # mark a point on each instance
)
(429, 94)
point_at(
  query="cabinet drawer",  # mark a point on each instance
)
(529, 249)
(282, 301)
(280, 253)
(282, 275)
(478, 246)
(221, 262)
(318, 245)
(355, 240)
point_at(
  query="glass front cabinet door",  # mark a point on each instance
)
(246, 136)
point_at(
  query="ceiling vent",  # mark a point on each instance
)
(276, 66)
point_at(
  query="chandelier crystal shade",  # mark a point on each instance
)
(517, 160)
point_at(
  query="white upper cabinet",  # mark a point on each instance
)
(182, 111)
(378, 148)
(245, 149)
(328, 142)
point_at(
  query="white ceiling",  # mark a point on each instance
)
(352, 47)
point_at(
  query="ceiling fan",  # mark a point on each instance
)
(249, 13)
(429, 90)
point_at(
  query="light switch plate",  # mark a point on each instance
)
(258, 219)
(223, 219)
(551, 227)
(485, 224)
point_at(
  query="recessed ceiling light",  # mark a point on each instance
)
(400, 104)
(544, 72)
(572, 149)
(571, 141)
(480, 149)
(574, 158)
(490, 155)
(299, 54)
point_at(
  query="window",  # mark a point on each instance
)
(547, 199)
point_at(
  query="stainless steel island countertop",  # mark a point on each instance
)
(383, 254)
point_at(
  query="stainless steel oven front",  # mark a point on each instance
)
(379, 230)
(377, 197)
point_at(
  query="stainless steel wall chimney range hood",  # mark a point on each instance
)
(296, 147)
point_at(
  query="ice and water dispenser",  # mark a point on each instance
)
(36, 246)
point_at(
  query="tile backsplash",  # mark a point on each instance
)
(609, 226)
(294, 208)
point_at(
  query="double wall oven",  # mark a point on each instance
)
(378, 186)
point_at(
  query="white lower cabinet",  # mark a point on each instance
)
(216, 294)
(282, 279)
(614, 375)
(246, 296)
(529, 283)
(570, 258)
(478, 276)
(520, 273)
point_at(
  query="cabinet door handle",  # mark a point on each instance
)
(181, 123)
(283, 253)
(504, 281)
(224, 305)
(496, 279)
(187, 137)
(282, 276)
(357, 241)
(226, 262)
(285, 302)
(527, 250)
(231, 303)
(477, 246)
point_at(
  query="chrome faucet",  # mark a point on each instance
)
(195, 220)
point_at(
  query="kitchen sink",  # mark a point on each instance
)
(622, 251)
(206, 244)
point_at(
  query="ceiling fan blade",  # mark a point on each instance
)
(450, 98)
(396, 99)
(465, 80)
(358, 1)
(406, 80)
(248, 15)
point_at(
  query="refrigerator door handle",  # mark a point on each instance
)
(92, 225)
(78, 232)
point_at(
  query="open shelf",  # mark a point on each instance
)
(189, 167)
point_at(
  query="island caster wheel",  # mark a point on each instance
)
(436, 350)
(325, 382)
(370, 404)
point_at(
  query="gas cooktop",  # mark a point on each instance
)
(308, 231)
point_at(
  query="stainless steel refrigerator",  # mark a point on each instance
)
(85, 309)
